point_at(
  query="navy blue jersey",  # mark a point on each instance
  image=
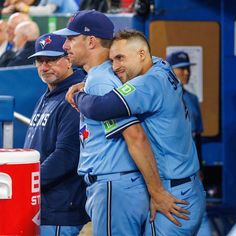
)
(157, 97)
(192, 103)
(54, 132)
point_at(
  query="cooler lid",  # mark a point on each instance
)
(18, 156)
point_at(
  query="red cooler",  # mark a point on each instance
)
(19, 192)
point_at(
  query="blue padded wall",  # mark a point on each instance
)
(229, 100)
(25, 85)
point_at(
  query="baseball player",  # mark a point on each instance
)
(181, 66)
(156, 95)
(118, 201)
(56, 137)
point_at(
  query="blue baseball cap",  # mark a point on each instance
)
(49, 45)
(88, 22)
(179, 59)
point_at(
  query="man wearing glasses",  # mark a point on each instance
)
(56, 136)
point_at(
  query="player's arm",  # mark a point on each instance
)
(134, 97)
(88, 104)
(142, 155)
(100, 108)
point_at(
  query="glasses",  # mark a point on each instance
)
(50, 61)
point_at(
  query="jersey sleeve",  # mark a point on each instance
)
(99, 88)
(141, 95)
(113, 128)
(101, 108)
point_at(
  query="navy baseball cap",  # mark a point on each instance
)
(88, 22)
(49, 45)
(179, 59)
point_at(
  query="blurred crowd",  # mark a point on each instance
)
(46, 7)
(39, 7)
(17, 38)
(18, 31)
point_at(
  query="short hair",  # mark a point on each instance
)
(130, 35)
(106, 43)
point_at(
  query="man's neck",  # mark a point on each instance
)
(148, 64)
(97, 58)
(68, 73)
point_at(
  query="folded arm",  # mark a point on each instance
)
(108, 106)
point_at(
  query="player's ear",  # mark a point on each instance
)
(142, 54)
(92, 41)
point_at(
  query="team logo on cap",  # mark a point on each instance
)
(182, 55)
(84, 134)
(86, 29)
(44, 42)
(72, 17)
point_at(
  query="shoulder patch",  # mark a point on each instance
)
(126, 89)
(109, 125)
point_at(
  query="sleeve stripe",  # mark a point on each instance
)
(124, 102)
(110, 134)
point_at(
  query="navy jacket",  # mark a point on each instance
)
(6, 58)
(54, 132)
(21, 56)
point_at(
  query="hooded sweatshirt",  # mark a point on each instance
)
(54, 132)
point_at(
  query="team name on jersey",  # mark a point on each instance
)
(39, 119)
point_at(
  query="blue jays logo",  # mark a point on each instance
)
(84, 134)
(72, 18)
(44, 42)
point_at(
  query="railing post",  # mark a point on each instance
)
(7, 104)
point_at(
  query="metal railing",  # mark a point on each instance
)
(7, 115)
(25, 120)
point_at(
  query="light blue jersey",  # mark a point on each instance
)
(157, 97)
(159, 94)
(115, 186)
(99, 154)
